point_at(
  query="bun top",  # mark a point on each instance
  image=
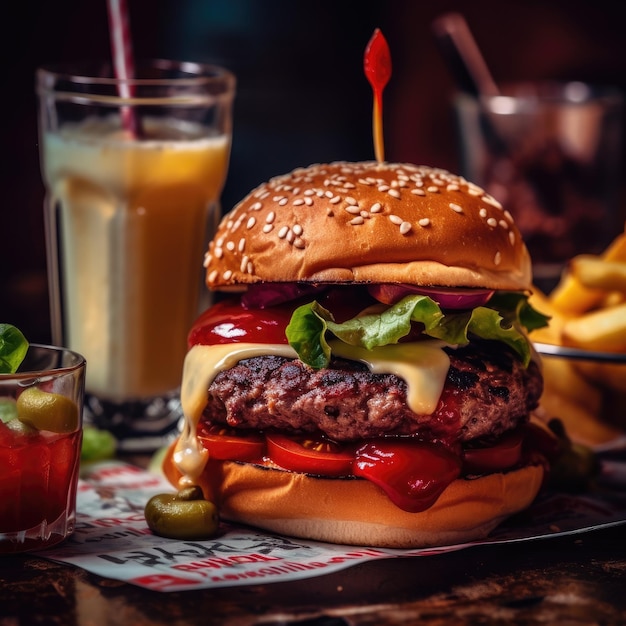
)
(369, 222)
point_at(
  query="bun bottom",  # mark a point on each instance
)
(355, 511)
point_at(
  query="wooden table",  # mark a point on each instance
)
(579, 579)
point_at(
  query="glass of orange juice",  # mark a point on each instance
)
(40, 440)
(132, 196)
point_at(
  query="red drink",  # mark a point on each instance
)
(39, 467)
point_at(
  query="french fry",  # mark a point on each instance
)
(595, 272)
(602, 330)
(562, 378)
(571, 297)
(552, 332)
(581, 424)
(610, 376)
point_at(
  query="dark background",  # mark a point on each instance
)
(302, 96)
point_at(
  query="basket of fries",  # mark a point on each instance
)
(584, 347)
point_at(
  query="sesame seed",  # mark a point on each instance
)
(219, 253)
(508, 216)
(355, 221)
(394, 219)
(297, 229)
(351, 200)
(257, 206)
(251, 222)
(270, 217)
(492, 221)
(308, 201)
(298, 243)
(244, 264)
(298, 202)
(512, 237)
(405, 228)
(242, 244)
(418, 192)
(452, 187)
(207, 260)
(456, 207)
(497, 259)
(394, 192)
(213, 276)
(365, 215)
(283, 202)
(250, 268)
(474, 192)
(230, 246)
(432, 189)
(424, 222)
(353, 210)
(227, 275)
(504, 224)
(491, 200)
(290, 236)
(282, 233)
(483, 213)
(329, 194)
(335, 200)
(383, 188)
(309, 192)
(268, 228)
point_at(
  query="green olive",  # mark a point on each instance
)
(574, 469)
(47, 411)
(183, 515)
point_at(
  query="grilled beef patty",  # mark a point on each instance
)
(487, 392)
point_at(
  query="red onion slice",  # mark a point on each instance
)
(445, 297)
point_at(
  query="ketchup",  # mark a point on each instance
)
(227, 322)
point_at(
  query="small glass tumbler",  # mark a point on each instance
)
(41, 407)
(551, 154)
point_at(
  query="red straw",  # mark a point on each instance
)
(122, 50)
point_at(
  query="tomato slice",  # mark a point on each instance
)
(230, 444)
(505, 453)
(310, 454)
(228, 322)
(412, 474)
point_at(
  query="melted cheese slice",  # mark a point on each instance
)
(423, 365)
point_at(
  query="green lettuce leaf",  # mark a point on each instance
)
(506, 318)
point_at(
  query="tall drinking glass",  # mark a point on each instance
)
(132, 196)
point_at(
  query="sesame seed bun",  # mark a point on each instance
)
(355, 511)
(369, 222)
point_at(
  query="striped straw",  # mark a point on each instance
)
(122, 52)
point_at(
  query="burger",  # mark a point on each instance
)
(364, 375)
